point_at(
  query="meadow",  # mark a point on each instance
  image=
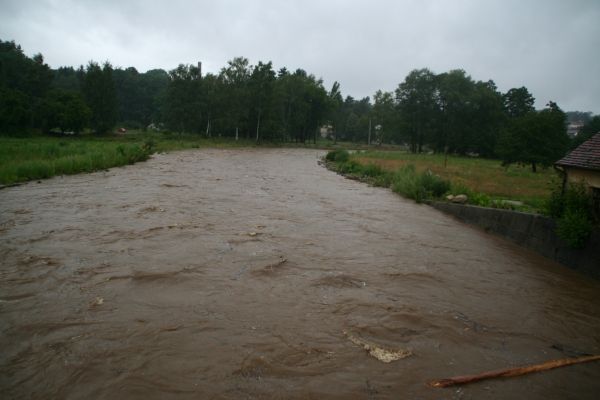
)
(39, 157)
(486, 181)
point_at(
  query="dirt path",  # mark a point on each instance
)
(234, 274)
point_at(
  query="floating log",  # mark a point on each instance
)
(509, 372)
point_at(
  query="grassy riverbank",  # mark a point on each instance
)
(486, 182)
(39, 157)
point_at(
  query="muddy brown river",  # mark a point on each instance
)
(250, 274)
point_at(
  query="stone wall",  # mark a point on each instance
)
(532, 231)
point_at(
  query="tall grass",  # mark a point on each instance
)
(419, 187)
(41, 157)
(485, 181)
(405, 181)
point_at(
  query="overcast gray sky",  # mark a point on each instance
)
(551, 47)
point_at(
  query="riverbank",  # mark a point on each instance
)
(533, 231)
(505, 218)
(486, 182)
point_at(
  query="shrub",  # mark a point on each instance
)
(480, 199)
(406, 182)
(372, 170)
(149, 145)
(349, 167)
(383, 180)
(433, 185)
(555, 205)
(572, 208)
(574, 227)
(339, 155)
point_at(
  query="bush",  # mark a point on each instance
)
(480, 199)
(574, 197)
(572, 208)
(574, 227)
(433, 185)
(405, 182)
(384, 180)
(372, 170)
(418, 187)
(349, 167)
(339, 155)
(149, 145)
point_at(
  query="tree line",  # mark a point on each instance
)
(446, 112)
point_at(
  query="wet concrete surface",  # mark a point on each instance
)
(234, 274)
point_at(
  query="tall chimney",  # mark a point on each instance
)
(200, 68)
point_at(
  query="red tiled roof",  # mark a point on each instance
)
(586, 155)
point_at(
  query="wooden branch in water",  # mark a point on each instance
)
(508, 372)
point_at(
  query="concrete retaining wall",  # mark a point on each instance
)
(532, 231)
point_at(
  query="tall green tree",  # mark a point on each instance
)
(130, 97)
(416, 98)
(100, 95)
(454, 94)
(153, 89)
(213, 102)
(383, 123)
(67, 79)
(518, 102)
(24, 82)
(535, 138)
(261, 85)
(488, 118)
(336, 104)
(183, 100)
(66, 111)
(236, 76)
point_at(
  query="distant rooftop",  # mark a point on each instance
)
(586, 155)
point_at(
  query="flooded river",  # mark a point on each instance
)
(248, 274)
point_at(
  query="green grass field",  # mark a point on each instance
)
(481, 177)
(39, 157)
(23, 159)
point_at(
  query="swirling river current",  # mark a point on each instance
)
(257, 273)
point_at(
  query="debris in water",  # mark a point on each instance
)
(251, 233)
(282, 260)
(508, 372)
(97, 302)
(172, 328)
(380, 353)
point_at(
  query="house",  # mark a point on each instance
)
(574, 128)
(582, 165)
(326, 131)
